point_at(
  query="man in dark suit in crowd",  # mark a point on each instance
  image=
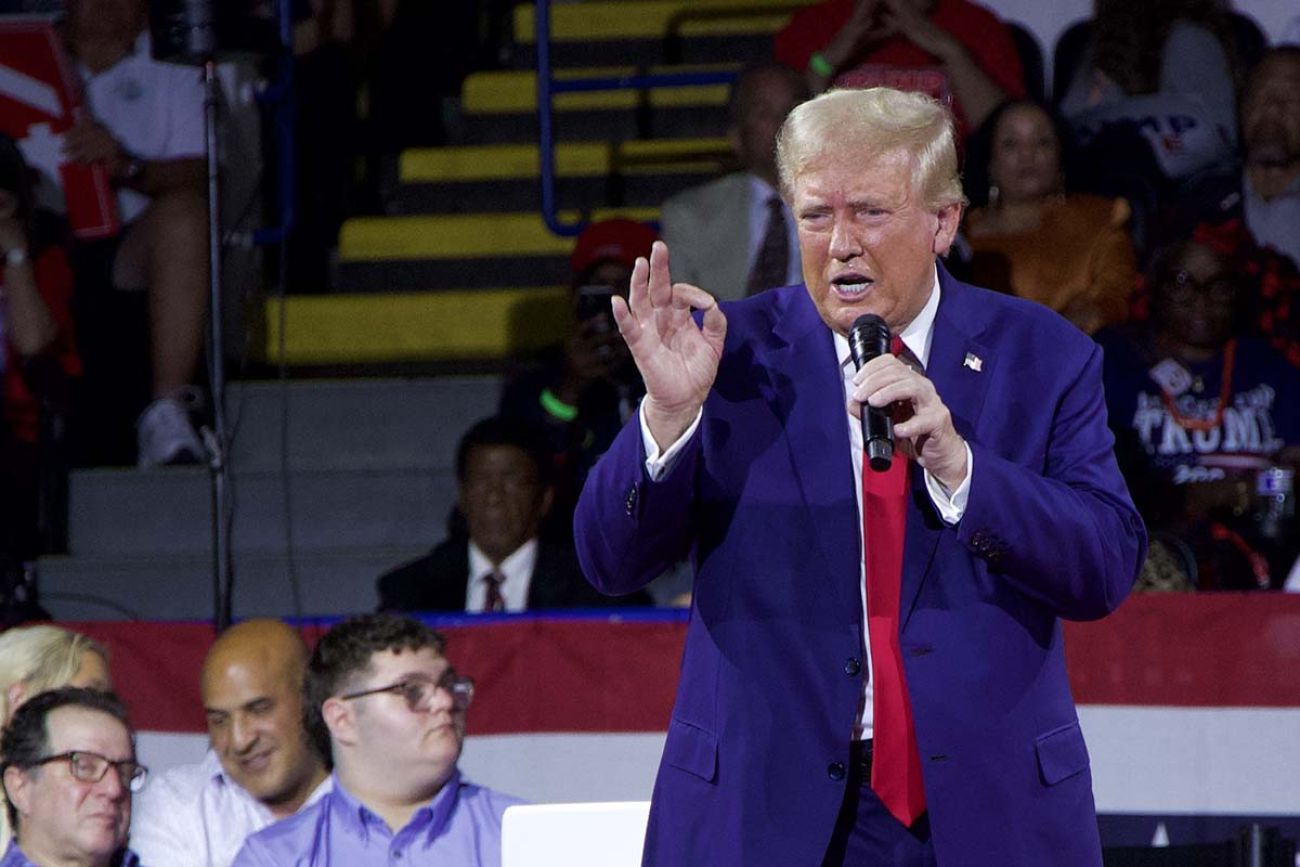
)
(743, 211)
(499, 563)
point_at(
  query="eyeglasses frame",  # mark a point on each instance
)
(133, 783)
(460, 688)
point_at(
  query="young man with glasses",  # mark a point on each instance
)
(391, 710)
(69, 773)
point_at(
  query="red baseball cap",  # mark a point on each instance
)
(620, 239)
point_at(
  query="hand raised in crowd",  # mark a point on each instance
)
(868, 24)
(678, 359)
(89, 141)
(923, 428)
(904, 18)
(866, 27)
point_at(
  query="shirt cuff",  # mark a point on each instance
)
(952, 505)
(657, 465)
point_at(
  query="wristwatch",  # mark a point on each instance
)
(16, 256)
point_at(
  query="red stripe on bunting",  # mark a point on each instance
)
(1206, 650)
(538, 674)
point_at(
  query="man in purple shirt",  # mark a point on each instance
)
(69, 771)
(391, 710)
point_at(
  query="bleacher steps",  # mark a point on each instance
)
(421, 326)
(123, 512)
(655, 31)
(356, 424)
(179, 587)
(370, 481)
(462, 251)
(504, 177)
(501, 106)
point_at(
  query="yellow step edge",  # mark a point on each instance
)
(652, 19)
(416, 326)
(463, 236)
(575, 159)
(502, 91)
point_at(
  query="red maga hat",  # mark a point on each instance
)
(620, 239)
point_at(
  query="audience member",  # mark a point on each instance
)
(1070, 251)
(392, 710)
(1156, 85)
(36, 346)
(581, 395)
(145, 127)
(1265, 194)
(954, 50)
(502, 563)
(69, 771)
(735, 234)
(1199, 412)
(37, 658)
(262, 767)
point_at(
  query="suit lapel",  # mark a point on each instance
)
(961, 368)
(809, 398)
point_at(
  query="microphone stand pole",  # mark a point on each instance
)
(223, 578)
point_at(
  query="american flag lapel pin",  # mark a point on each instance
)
(973, 361)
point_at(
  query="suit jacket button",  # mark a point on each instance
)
(629, 503)
(852, 666)
(835, 770)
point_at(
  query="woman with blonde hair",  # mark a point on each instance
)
(34, 659)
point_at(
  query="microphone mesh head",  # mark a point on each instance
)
(868, 338)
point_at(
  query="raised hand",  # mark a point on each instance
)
(866, 27)
(917, 28)
(678, 359)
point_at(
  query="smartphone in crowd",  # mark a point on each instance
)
(593, 303)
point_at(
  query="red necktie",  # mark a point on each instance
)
(896, 762)
(494, 601)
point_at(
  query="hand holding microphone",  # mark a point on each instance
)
(868, 339)
(927, 436)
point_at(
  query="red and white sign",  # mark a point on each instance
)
(40, 100)
(1190, 703)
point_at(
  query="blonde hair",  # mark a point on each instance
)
(41, 658)
(861, 125)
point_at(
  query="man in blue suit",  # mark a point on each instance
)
(899, 700)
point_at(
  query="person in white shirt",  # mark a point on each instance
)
(262, 766)
(144, 125)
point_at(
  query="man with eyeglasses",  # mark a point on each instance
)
(392, 709)
(69, 772)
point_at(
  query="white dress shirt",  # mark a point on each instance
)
(917, 337)
(516, 572)
(153, 109)
(196, 816)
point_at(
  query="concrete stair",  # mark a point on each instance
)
(370, 482)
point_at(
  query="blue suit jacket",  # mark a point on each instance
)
(763, 499)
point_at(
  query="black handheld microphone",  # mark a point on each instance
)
(869, 338)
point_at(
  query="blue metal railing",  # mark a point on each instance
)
(547, 87)
(281, 97)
